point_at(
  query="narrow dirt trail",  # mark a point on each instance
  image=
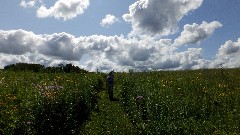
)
(109, 118)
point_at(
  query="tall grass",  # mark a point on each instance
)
(40, 103)
(183, 102)
(170, 102)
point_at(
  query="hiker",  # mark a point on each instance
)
(110, 83)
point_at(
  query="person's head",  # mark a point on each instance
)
(111, 73)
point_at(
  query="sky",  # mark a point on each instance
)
(121, 34)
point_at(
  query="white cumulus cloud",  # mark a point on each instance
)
(228, 55)
(28, 3)
(105, 52)
(18, 42)
(158, 16)
(195, 33)
(229, 48)
(108, 52)
(108, 20)
(65, 9)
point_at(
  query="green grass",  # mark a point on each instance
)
(174, 102)
(108, 118)
(40, 103)
(183, 102)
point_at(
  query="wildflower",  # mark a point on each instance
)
(29, 123)
(11, 97)
(15, 108)
(139, 99)
(53, 87)
(58, 77)
(2, 103)
(215, 131)
(222, 95)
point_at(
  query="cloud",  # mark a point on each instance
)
(27, 3)
(60, 46)
(105, 52)
(6, 59)
(229, 48)
(24, 43)
(195, 33)
(228, 55)
(158, 17)
(108, 20)
(178, 60)
(65, 9)
(18, 42)
(139, 54)
(108, 52)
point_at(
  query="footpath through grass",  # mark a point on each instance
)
(108, 118)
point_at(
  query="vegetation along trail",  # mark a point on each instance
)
(108, 118)
(70, 101)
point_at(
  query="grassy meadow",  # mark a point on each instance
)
(167, 102)
(183, 102)
(43, 103)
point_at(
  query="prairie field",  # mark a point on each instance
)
(183, 102)
(165, 102)
(43, 103)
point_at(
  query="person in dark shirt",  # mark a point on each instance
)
(110, 84)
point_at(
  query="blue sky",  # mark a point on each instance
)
(121, 35)
(16, 17)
